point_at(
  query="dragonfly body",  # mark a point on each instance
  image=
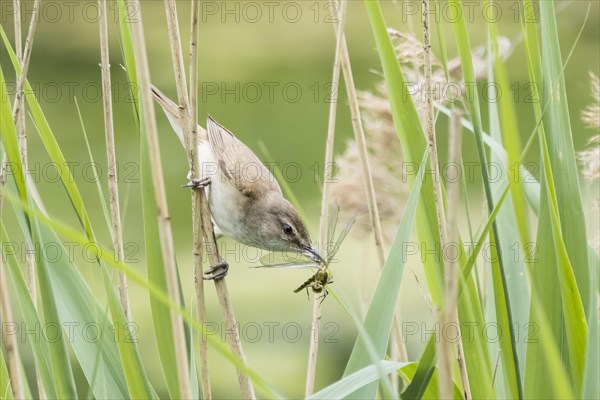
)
(318, 281)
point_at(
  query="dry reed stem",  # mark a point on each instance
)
(23, 57)
(323, 228)
(196, 204)
(10, 344)
(221, 287)
(452, 273)
(113, 188)
(444, 348)
(17, 23)
(2, 180)
(164, 225)
(12, 356)
(398, 345)
(222, 293)
(19, 118)
(359, 135)
(25, 61)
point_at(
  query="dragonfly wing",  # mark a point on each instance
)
(341, 238)
(285, 260)
(289, 265)
(334, 212)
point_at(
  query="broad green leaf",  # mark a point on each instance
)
(531, 187)
(64, 383)
(574, 313)
(76, 305)
(161, 315)
(407, 373)
(51, 145)
(5, 385)
(137, 381)
(126, 42)
(357, 380)
(61, 366)
(559, 384)
(409, 131)
(512, 219)
(40, 350)
(561, 164)
(104, 254)
(134, 374)
(501, 295)
(421, 378)
(557, 126)
(591, 388)
(378, 321)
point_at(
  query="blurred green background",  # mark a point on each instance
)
(288, 47)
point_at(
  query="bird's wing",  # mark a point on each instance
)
(238, 163)
(173, 112)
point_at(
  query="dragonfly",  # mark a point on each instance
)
(323, 276)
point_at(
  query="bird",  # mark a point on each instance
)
(245, 199)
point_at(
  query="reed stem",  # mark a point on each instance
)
(23, 57)
(443, 347)
(327, 173)
(452, 274)
(10, 343)
(205, 217)
(196, 204)
(449, 312)
(164, 225)
(113, 188)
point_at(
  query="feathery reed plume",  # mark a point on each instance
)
(591, 114)
(383, 145)
(590, 158)
(385, 152)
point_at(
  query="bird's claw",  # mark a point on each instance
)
(197, 183)
(218, 271)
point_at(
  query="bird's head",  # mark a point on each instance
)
(282, 229)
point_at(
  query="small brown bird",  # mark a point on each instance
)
(245, 199)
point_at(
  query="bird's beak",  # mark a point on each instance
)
(313, 253)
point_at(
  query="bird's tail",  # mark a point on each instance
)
(172, 111)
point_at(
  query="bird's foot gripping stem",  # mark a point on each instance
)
(218, 271)
(198, 183)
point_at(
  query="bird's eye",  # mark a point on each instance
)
(287, 229)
